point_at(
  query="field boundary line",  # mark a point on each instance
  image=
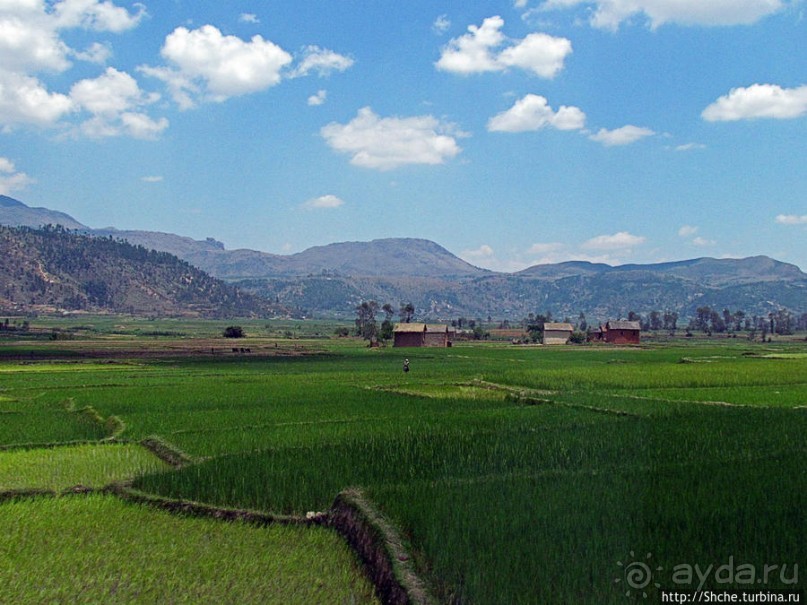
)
(167, 452)
(727, 404)
(20, 494)
(598, 410)
(44, 492)
(495, 386)
(380, 548)
(113, 425)
(49, 445)
(266, 425)
(200, 509)
(527, 396)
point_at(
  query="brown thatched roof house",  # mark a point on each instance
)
(422, 335)
(557, 333)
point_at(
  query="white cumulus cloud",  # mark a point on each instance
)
(114, 101)
(32, 40)
(690, 147)
(484, 256)
(324, 201)
(609, 14)
(109, 94)
(322, 61)
(29, 41)
(486, 49)
(95, 53)
(484, 251)
(545, 247)
(690, 231)
(141, 126)
(30, 30)
(26, 100)
(621, 136)
(98, 15)
(386, 143)
(441, 24)
(226, 65)
(318, 98)
(533, 112)
(618, 241)
(10, 178)
(758, 101)
(791, 219)
(205, 64)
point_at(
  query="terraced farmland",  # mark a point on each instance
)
(513, 475)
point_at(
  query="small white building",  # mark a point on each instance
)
(557, 333)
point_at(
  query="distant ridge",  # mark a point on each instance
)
(331, 280)
(705, 270)
(15, 214)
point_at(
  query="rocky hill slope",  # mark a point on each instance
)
(51, 270)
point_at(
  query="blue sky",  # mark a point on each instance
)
(512, 132)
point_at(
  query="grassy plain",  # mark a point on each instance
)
(99, 549)
(89, 466)
(516, 474)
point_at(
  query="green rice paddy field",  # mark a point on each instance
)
(514, 474)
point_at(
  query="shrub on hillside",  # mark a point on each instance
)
(234, 332)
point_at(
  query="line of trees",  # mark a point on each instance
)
(713, 321)
(706, 320)
(367, 325)
(781, 322)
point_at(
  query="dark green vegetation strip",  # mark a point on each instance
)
(39, 422)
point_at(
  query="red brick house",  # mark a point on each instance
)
(622, 332)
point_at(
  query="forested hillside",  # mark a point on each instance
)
(52, 269)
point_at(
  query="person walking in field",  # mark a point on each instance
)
(406, 366)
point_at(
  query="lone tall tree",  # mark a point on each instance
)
(407, 312)
(387, 329)
(366, 326)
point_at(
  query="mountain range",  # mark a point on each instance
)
(331, 280)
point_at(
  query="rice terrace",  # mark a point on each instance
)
(153, 462)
